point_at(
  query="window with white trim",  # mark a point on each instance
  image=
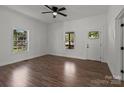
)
(20, 40)
(69, 40)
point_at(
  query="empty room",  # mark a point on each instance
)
(61, 46)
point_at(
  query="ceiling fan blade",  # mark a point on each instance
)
(47, 12)
(62, 14)
(48, 7)
(61, 9)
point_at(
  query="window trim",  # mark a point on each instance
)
(27, 41)
(69, 40)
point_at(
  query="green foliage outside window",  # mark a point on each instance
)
(93, 35)
(69, 40)
(20, 43)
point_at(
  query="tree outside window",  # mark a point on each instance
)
(20, 40)
(93, 35)
(69, 40)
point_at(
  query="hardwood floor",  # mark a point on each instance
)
(54, 71)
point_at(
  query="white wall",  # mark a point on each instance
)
(40, 38)
(81, 28)
(37, 36)
(114, 42)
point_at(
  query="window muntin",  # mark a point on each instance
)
(93, 35)
(69, 40)
(20, 40)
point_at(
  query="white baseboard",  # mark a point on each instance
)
(76, 57)
(118, 77)
(15, 61)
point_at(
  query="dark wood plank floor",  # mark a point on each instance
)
(53, 71)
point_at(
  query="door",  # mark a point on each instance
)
(93, 46)
(122, 47)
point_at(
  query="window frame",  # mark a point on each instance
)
(69, 41)
(93, 32)
(26, 41)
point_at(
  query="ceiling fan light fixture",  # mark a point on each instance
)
(54, 13)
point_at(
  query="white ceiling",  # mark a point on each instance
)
(73, 11)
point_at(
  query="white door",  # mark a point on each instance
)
(94, 49)
(122, 45)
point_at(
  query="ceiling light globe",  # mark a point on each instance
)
(55, 13)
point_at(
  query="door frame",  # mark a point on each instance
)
(119, 32)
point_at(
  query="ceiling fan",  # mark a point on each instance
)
(55, 11)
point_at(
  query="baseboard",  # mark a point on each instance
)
(73, 57)
(20, 60)
(118, 77)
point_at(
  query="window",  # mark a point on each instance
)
(20, 40)
(93, 35)
(69, 40)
